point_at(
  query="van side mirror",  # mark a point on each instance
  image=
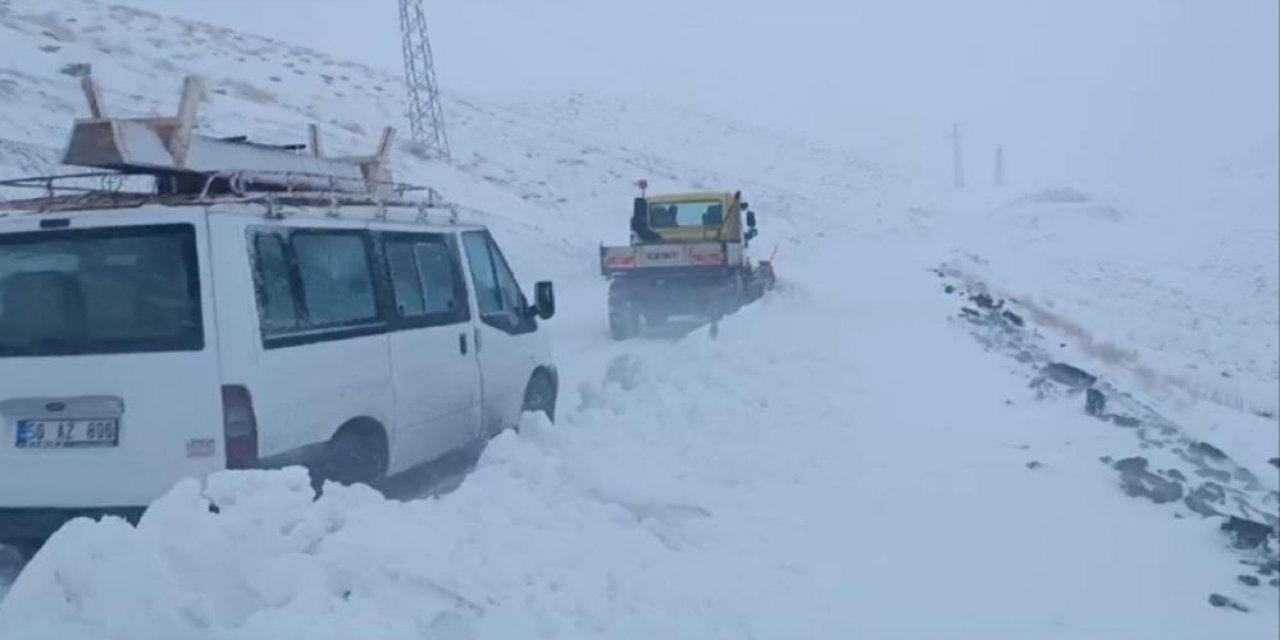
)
(544, 295)
(751, 219)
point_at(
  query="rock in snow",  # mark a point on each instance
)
(1069, 375)
(1138, 482)
(1247, 534)
(1219, 600)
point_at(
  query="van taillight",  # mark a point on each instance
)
(239, 427)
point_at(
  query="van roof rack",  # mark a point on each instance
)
(187, 168)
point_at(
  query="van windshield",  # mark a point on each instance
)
(94, 291)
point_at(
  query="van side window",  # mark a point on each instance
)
(426, 279)
(337, 281)
(512, 297)
(502, 305)
(275, 302)
(100, 290)
(411, 299)
(442, 278)
(488, 293)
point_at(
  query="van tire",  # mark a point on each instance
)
(357, 454)
(540, 394)
(13, 557)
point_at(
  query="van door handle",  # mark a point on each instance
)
(462, 343)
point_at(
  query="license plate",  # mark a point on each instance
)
(63, 434)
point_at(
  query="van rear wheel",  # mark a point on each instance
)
(356, 454)
(13, 558)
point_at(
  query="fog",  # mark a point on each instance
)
(1091, 92)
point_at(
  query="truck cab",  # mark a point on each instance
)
(690, 218)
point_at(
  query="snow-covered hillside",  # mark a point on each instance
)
(1182, 299)
(854, 456)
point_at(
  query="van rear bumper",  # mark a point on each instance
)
(33, 526)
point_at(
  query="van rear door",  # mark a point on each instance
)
(108, 360)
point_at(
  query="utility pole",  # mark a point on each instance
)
(957, 156)
(999, 165)
(426, 116)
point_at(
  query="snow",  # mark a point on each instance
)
(843, 460)
(1191, 317)
(1086, 87)
(769, 483)
(694, 493)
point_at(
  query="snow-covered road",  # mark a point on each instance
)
(842, 462)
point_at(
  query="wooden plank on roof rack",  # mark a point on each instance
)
(313, 140)
(93, 95)
(168, 144)
(180, 140)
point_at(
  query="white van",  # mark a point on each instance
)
(213, 323)
(140, 346)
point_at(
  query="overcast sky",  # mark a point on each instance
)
(1075, 89)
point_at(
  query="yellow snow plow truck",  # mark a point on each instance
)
(687, 257)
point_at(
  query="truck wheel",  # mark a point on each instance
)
(731, 297)
(624, 321)
(624, 324)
